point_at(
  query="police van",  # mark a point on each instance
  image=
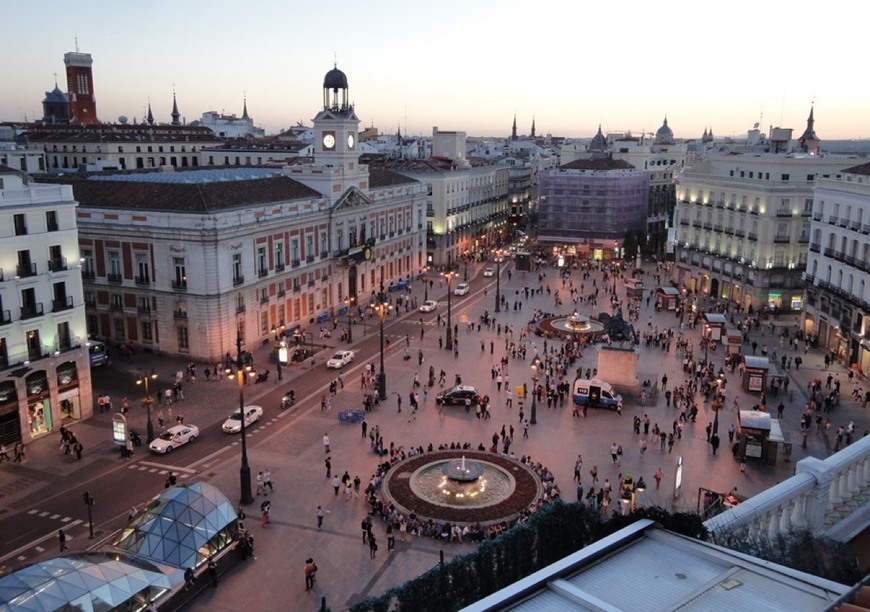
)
(595, 393)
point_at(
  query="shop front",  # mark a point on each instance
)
(68, 398)
(38, 403)
(10, 418)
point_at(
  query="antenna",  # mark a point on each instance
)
(406, 120)
(77, 44)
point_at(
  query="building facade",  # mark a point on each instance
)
(743, 226)
(80, 88)
(181, 262)
(44, 361)
(838, 267)
(591, 205)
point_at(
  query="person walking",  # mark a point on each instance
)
(328, 463)
(310, 571)
(267, 481)
(61, 538)
(320, 514)
(336, 484)
(373, 547)
(658, 478)
(212, 569)
(326, 443)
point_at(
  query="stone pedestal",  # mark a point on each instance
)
(618, 367)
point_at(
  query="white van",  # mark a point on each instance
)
(595, 393)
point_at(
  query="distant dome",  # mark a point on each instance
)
(55, 95)
(599, 142)
(335, 79)
(664, 135)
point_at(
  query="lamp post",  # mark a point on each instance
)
(426, 284)
(143, 380)
(449, 276)
(534, 419)
(349, 301)
(381, 307)
(465, 272)
(498, 281)
(630, 490)
(244, 470)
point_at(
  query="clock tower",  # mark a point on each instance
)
(336, 130)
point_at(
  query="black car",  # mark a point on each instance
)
(457, 395)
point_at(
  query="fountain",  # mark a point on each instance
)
(450, 486)
(571, 327)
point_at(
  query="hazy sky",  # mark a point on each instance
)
(460, 65)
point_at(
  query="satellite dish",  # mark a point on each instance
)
(122, 120)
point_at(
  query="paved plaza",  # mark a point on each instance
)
(290, 445)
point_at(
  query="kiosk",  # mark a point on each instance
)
(759, 436)
(714, 325)
(755, 371)
(732, 338)
(667, 298)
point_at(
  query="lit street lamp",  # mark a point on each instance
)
(382, 307)
(498, 281)
(426, 284)
(143, 380)
(244, 470)
(630, 489)
(349, 301)
(534, 419)
(449, 276)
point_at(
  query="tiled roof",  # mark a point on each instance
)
(60, 133)
(862, 169)
(184, 197)
(597, 164)
(380, 177)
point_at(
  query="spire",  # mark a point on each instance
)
(176, 116)
(808, 141)
(514, 129)
(245, 108)
(150, 118)
(533, 126)
(399, 134)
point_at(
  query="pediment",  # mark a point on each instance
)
(353, 198)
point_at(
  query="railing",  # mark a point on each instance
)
(865, 229)
(295, 263)
(324, 255)
(31, 311)
(854, 226)
(279, 267)
(309, 258)
(822, 493)
(281, 293)
(143, 280)
(684, 222)
(182, 314)
(740, 233)
(238, 280)
(62, 304)
(264, 299)
(753, 236)
(809, 278)
(143, 310)
(781, 239)
(832, 220)
(57, 265)
(179, 285)
(817, 217)
(783, 212)
(843, 222)
(88, 274)
(803, 238)
(5, 317)
(829, 252)
(262, 272)
(239, 309)
(114, 278)
(116, 306)
(25, 270)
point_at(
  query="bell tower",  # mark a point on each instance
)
(80, 88)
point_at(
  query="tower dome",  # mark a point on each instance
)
(335, 79)
(599, 142)
(335, 90)
(664, 135)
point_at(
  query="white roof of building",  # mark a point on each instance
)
(644, 567)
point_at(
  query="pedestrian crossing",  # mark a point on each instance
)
(53, 516)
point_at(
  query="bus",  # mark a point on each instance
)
(98, 353)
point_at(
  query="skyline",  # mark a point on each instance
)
(625, 67)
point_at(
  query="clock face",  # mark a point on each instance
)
(367, 254)
(350, 141)
(328, 141)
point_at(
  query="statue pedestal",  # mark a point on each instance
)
(618, 366)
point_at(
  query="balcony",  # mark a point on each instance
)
(324, 255)
(295, 263)
(309, 259)
(88, 274)
(753, 236)
(754, 212)
(817, 216)
(281, 292)
(116, 306)
(832, 220)
(142, 280)
(297, 287)
(740, 233)
(262, 272)
(114, 278)
(865, 229)
(684, 222)
(5, 317)
(803, 238)
(783, 212)
(855, 226)
(25, 270)
(90, 300)
(781, 239)
(843, 222)
(708, 225)
(144, 310)
(829, 252)
(238, 280)
(57, 265)
(62, 304)
(717, 227)
(816, 247)
(239, 309)
(264, 299)
(180, 285)
(279, 267)
(311, 282)
(182, 314)
(31, 311)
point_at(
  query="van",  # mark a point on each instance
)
(595, 393)
(98, 353)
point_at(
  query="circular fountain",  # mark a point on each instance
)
(462, 486)
(570, 327)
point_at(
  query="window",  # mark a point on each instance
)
(237, 268)
(309, 247)
(785, 177)
(264, 322)
(120, 330)
(51, 220)
(143, 268)
(20, 225)
(340, 238)
(279, 255)
(143, 304)
(180, 278)
(115, 264)
(262, 267)
(294, 251)
(324, 244)
(88, 263)
(183, 344)
(147, 332)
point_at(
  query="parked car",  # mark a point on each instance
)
(339, 360)
(461, 289)
(173, 438)
(457, 395)
(428, 306)
(234, 423)
(489, 272)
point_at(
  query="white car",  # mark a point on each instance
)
(461, 289)
(174, 437)
(428, 306)
(489, 272)
(339, 360)
(234, 423)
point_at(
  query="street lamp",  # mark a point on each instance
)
(534, 419)
(449, 275)
(630, 489)
(498, 281)
(465, 273)
(143, 380)
(244, 470)
(382, 307)
(426, 284)
(349, 301)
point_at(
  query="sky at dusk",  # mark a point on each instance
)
(458, 65)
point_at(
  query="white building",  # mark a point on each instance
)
(743, 224)
(44, 362)
(230, 126)
(182, 261)
(838, 267)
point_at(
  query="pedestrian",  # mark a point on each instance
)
(326, 443)
(61, 538)
(265, 508)
(212, 569)
(320, 513)
(594, 473)
(373, 547)
(267, 480)
(714, 442)
(20, 453)
(328, 463)
(259, 483)
(526, 428)
(398, 402)
(336, 484)
(364, 426)
(613, 449)
(310, 571)
(366, 526)
(658, 478)
(391, 538)
(78, 448)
